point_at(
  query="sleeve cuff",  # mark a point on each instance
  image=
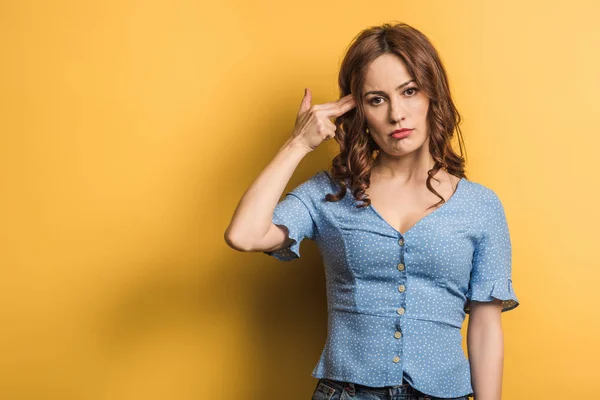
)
(488, 290)
(288, 253)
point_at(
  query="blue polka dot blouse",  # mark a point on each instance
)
(396, 302)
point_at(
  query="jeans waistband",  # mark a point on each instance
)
(350, 387)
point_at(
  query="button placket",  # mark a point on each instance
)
(401, 288)
(401, 267)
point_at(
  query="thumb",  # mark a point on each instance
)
(305, 105)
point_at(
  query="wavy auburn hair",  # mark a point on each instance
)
(357, 149)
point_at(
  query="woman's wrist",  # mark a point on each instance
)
(294, 146)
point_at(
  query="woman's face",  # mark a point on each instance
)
(397, 103)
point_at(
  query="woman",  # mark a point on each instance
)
(409, 245)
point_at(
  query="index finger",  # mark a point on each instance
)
(334, 104)
(341, 106)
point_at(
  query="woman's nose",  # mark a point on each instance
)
(396, 112)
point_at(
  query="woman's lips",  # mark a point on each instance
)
(401, 134)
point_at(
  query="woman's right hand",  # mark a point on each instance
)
(313, 124)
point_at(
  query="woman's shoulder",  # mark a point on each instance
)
(319, 181)
(316, 187)
(481, 195)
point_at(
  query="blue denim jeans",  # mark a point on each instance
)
(328, 389)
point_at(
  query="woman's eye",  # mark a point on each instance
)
(412, 90)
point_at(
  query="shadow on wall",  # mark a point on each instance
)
(256, 311)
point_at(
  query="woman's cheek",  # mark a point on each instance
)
(415, 102)
(419, 103)
(368, 113)
(371, 118)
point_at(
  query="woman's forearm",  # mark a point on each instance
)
(485, 344)
(254, 212)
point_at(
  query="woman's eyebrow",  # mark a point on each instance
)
(383, 93)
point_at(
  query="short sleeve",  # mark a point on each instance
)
(492, 259)
(294, 214)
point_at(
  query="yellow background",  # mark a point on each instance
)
(130, 130)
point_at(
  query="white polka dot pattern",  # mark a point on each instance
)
(397, 302)
(295, 216)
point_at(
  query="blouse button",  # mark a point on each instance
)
(400, 311)
(397, 335)
(396, 359)
(401, 267)
(401, 242)
(401, 288)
